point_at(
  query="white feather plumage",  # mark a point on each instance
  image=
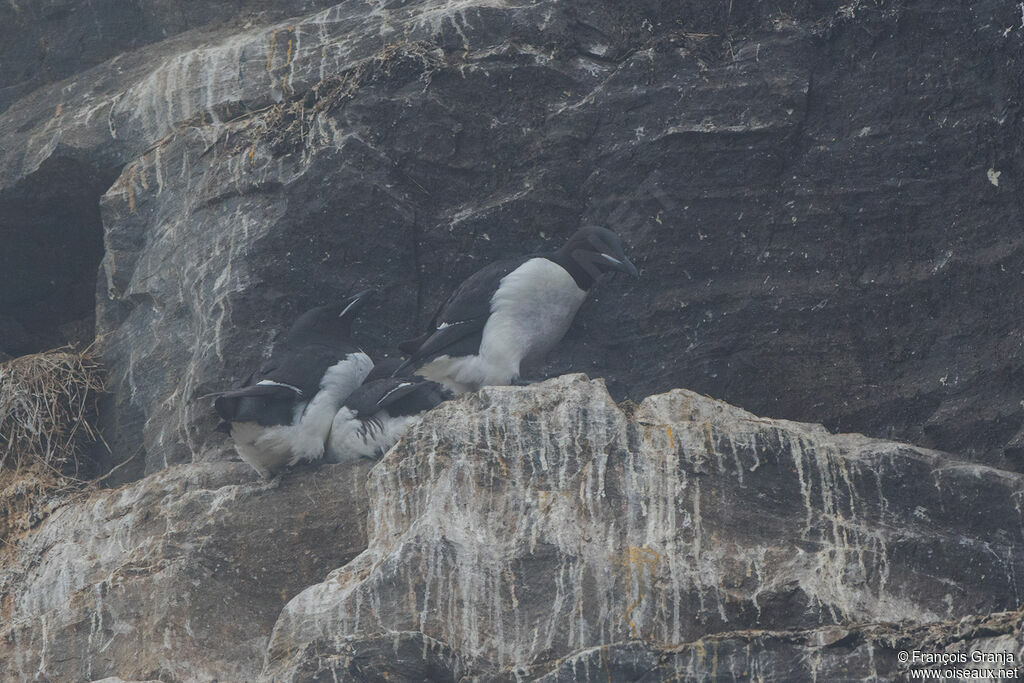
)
(530, 313)
(269, 448)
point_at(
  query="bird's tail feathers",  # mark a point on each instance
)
(411, 346)
(250, 392)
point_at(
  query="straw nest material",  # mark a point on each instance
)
(48, 411)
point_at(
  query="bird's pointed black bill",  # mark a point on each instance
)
(622, 264)
(356, 301)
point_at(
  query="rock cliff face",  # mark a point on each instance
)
(177, 577)
(823, 201)
(512, 538)
(538, 532)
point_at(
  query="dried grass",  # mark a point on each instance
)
(28, 496)
(48, 411)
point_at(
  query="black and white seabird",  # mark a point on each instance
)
(377, 414)
(282, 413)
(513, 312)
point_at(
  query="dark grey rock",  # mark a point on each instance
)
(864, 652)
(823, 201)
(384, 657)
(49, 223)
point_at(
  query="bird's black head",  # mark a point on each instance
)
(332, 319)
(592, 251)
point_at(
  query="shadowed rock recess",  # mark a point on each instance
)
(823, 201)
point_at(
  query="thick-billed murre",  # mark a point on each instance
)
(377, 414)
(282, 413)
(513, 312)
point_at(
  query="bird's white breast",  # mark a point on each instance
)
(341, 379)
(269, 448)
(530, 313)
(351, 438)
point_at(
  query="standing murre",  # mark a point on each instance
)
(513, 311)
(282, 413)
(377, 414)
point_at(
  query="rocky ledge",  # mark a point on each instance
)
(532, 533)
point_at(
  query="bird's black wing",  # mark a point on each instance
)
(383, 369)
(372, 397)
(303, 367)
(459, 324)
(411, 346)
(226, 402)
(426, 396)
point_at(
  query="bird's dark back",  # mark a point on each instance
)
(427, 395)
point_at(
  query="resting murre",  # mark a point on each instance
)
(513, 311)
(282, 413)
(377, 414)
